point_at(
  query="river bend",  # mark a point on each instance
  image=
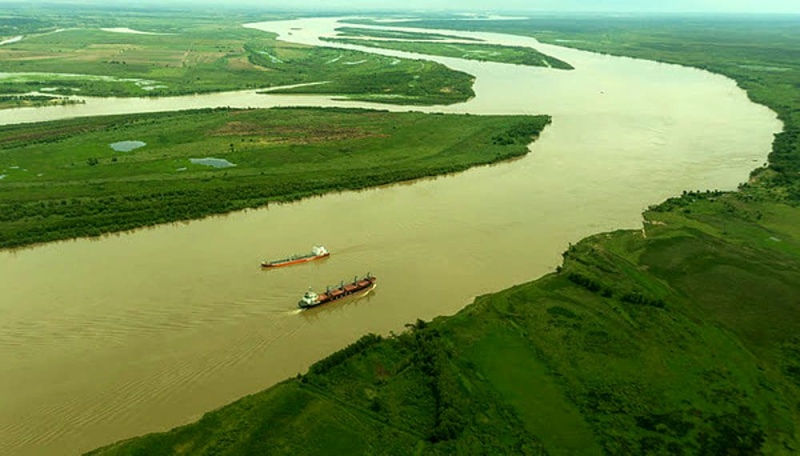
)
(109, 338)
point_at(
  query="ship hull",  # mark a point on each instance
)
(352, 289)
(280, 264)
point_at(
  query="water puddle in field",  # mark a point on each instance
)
(127, 146)
(130, 31)
(212, 162)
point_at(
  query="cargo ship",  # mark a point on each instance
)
(358, 286)
(317, 252)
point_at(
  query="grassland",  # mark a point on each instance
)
(469, 51)
(680, 338)
(62, 179)
(195, 54)
(357, 32)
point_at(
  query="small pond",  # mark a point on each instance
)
(213, 162)
(127, 146)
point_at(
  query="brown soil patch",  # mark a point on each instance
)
(151, 57)
(200, 58)
(272, 134)
(95, 52)
(241, 63)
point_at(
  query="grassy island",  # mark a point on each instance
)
(469, 51)
(64, 179)
(358, 32)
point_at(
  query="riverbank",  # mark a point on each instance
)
(683, 340)
(677, 338)
(34, 101)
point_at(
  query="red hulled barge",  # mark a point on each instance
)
(358, 286)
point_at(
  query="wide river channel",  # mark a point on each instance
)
(106, 339)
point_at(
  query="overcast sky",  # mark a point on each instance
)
(672, 6)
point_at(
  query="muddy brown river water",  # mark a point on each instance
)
(106, 339)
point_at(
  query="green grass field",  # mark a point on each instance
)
(681, 338)
(469, 51)
(357, 32)
(195, 54)
(63, 179)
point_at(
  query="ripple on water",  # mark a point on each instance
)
(127, 146)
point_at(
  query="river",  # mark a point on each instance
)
(109, 338)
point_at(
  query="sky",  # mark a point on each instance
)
(649, 6)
